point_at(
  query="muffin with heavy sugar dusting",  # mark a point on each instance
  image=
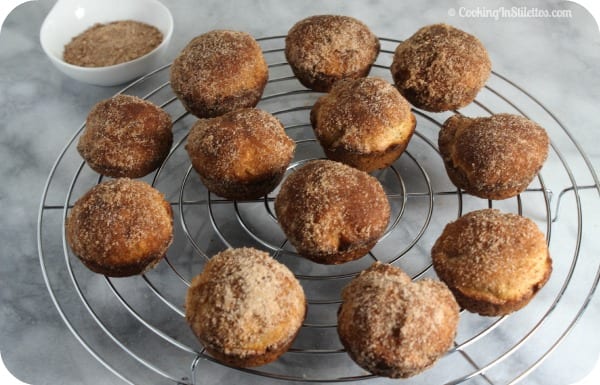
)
(493, 157)
(126, 136)
(323, 49)
(219, 71)
(364, 123)
(121, 227)
(393, 327)
(332, 213)
(245, 307)
(242, 154)
(440, 68)
(493, 262)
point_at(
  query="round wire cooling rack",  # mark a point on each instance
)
(136, 328)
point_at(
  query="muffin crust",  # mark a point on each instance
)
(364, 123)
(440, 68)
(245, 307)
(323, 49)
(493, 262)
(332, 213)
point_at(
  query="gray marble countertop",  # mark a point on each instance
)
(557, 60)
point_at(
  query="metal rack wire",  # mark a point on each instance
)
(135, 326)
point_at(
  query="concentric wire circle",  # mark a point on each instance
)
(135, 326)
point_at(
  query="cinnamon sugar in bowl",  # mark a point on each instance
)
(70, 18)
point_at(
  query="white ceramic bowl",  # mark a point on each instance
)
(68, 18)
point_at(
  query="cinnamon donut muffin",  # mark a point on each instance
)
(242, 154)
(364, 123)
(393, 327)
(493, 157)
(493, 262)
(126, 136)
(440, 68)
(245, 307)
(325, 48)
(332, 213)
(121, 227)
(218, 72)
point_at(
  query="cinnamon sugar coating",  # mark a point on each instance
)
(493, 157)
(394, 327)
(219, 71)
(332, 213)
(126, 136)
(245, 307)
(493, 262)
(242, 154)
(440, 68)
(323, 49)
(112, 43)
(364, 123)
(121, 227)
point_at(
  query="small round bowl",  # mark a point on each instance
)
(69, 18)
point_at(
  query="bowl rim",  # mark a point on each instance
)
(164, 42)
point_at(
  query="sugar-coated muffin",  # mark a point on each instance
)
(245, 307)
(393, 327)
(493, 262)
(242, 154)
(121, 227)
(323, 49)
(126, 136)
(219, 71)
(493, 157)
(363, 122)
(440, 68)
(332, 213)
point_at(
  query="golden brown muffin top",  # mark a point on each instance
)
(244, 302)
(490, 255)
(218, 63)
(119, 222)
(395, 327)
(125, 133)
(363, 115)
(438, 67)
(331, 44)
(327, 206)
(241, 145)
(495, 150)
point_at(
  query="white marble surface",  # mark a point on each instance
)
(556, 60)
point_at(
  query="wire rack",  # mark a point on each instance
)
(135, 326)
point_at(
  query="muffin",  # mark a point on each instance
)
(393, 327)
(242, 154)
(332, 213)
(440, 68)
(364, 123)
(326, 48)
(494, 157)
(493, 262)
(121, 227)
(218, 72)
(245, 307)
(126, 136)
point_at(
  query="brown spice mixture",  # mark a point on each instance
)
(117, 42)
